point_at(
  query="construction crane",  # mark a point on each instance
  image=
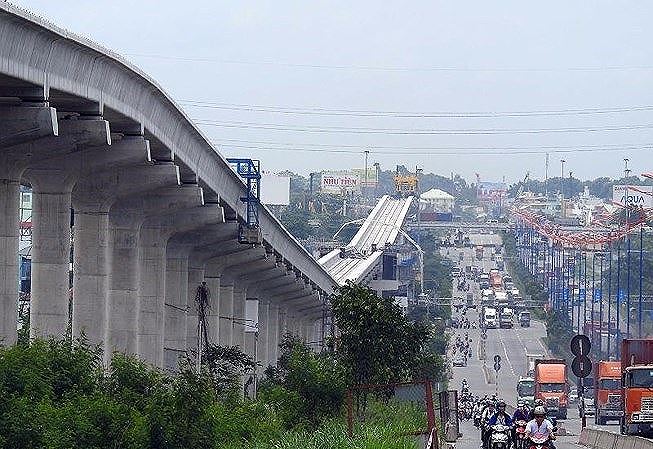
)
(250, 170)
(523, 183)
(405, 185)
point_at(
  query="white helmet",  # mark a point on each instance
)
(539, 411)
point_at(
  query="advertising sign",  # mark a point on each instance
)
(275, 189)
(338, 182)
(372, 176)
(638, 196)
(491, 191)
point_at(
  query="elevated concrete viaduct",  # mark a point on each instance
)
(156, 212)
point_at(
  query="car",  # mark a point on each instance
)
(573, 395)
(460, 361)
(586, 404)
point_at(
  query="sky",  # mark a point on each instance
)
(461, 86)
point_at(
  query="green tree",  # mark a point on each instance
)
(376, 343)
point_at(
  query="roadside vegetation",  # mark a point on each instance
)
(58, 394)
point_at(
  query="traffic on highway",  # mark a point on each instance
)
(512, 392)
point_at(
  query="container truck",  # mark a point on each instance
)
(551, 385)
(479, 252)
(637, 385)
(607, 391)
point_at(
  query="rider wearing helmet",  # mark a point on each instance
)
(521, 413)
(540, 426)
(500, 417)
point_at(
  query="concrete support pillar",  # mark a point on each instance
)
(9, 224)
(226, 313)
(50, 257)
(92, 198)
(151, 296)
(283, 323)
(122, 300)
(176, 290)
(238, 323)
(90, 275)
(213, 318)
(195, 279)
(263, 347)
(273, 333)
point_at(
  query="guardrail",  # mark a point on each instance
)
(602, 439)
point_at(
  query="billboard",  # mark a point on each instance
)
(491, 191)
(275, 189)
(338, 182)
(638, 196)
(372, 179)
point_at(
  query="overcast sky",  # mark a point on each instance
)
(284, 63)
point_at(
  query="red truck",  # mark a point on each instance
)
(607, 391)
(551, 385)
(637, 385)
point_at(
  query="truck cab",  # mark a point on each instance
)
(526, 390)
(607, 391)
(525, 319)
(551, 385)
(637, 385)
(490, 318)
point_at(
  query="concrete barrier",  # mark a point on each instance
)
(601, 439)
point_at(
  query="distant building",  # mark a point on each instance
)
(436, 205)
(436, 200)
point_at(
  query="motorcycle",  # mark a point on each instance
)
(500, 437)
(520, 434)
(539, 442)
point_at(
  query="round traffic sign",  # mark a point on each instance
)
(581, 366)
(580, 345)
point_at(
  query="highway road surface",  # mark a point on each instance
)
(511, 345)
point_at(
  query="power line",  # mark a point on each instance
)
(373, 68)
(438, 152)
(408, 114)
(265, 143)
(414, 131)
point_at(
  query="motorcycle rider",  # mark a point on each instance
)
(540, 426)
(499, 417)
(486, 414)
(521, 414)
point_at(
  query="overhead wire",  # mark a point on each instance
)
(445, 151)
(409, 114)
(415, 131)
(391, 68)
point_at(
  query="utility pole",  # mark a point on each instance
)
(546, 176)
(562, 187)
(367, 153)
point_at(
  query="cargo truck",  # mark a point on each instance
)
(637, 385)
(551, 385)
(607, 391)
(479, 252)
(530, 363)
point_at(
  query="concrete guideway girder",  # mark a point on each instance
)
(92, 198)
(23, 123)
(125, 219)
(153, 239)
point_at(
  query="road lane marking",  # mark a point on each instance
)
(505, 351)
